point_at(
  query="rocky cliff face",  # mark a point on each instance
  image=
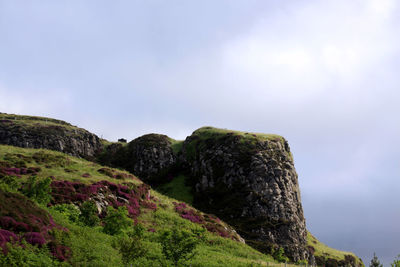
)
(36, 132)
(150, 157)
(249, 181)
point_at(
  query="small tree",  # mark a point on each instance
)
(131, 247)
(116, 220)
(279, 255)
(375, 262)
(88, 214)
(396, 262)
(178, 245)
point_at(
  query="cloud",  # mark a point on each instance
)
(300, 53)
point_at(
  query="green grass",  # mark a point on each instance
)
(246, 141)
(67, 168)
(211, 132)
(33, 121)
(323, 250)
(177, 189)
(176, 145)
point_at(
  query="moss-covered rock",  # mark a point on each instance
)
(151, 157)
(39, 132)
(249, 181)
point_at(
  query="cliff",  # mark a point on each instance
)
(39, 132)
(246, 179)
(250, 181)
(150, 156)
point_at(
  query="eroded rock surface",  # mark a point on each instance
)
(36, 132)
(150, 157)
(251, 183)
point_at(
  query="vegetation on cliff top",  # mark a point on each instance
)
(212, 132)
(32, 121)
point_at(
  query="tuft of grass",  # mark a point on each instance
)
(178, 189)
(176, 145)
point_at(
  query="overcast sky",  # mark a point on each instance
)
(324, 74)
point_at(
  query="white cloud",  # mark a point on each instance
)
(305, 50)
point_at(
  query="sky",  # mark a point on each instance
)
(323, 74)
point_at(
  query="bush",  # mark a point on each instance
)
(28, 255)
(396, 262)
(8, 183)
(131, 247)
(279, 255)
(38, 190)
(88, 214)
(375, 262)
(116, 220)
(68, 210)
(178, 245)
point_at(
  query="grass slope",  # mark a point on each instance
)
(89, 245)
(177, 189)
(322, 250)
(30, 121)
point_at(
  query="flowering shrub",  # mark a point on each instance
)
(21, 216)
(6, 236)
(34, 238)
(187, 213)
(210, 222)
(129, 195)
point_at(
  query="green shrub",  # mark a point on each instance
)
(396, 262)
(178, 245)
(28, 255)
(38, 190)
(9, 183)
(91, 247)
(131, 246)
(279, 255)
(68, 210)
(88, 214)
(116, 220)
(375, 262)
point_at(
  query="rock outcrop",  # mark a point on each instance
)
(37, 132)
(249, 181)
(246, 179)
(150, 157)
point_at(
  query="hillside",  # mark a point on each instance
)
(53, 226)
(246, 179)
